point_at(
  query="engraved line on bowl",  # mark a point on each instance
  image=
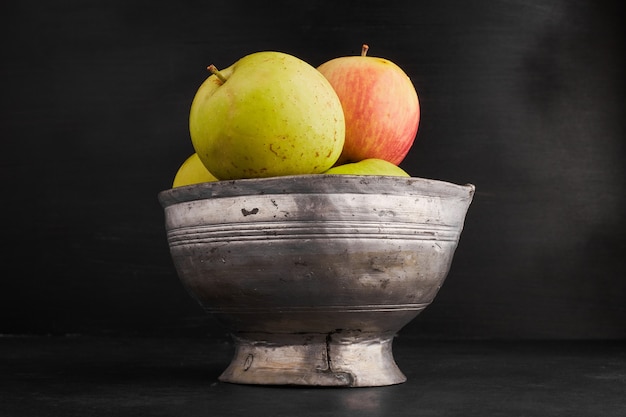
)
(321, 309)
(325, 224)
(271, 227)
(308, 236)
(288, 230)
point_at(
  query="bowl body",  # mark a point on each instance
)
(314, 275)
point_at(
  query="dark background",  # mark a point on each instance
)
(524, 99)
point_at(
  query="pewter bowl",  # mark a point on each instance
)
(314, 275)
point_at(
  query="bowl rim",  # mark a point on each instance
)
(317, 184)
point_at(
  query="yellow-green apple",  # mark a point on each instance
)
(370, 166)
(192, 171)
(268, 114)
(380, 104)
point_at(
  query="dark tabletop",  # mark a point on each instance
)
(137, 376)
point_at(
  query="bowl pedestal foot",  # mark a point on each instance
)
(315, 359)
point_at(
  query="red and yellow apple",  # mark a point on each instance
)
(380, 106)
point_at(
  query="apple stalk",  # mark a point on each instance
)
(213, 70)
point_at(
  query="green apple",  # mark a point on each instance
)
(370, 166)
(268, 114)
(192, 171)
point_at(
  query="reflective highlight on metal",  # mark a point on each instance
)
(315, 275)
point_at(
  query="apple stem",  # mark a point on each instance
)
(364, 49)
(213, 70)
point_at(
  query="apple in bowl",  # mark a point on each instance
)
(380, 106)
(268, 114)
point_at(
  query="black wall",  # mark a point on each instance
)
(523, 98)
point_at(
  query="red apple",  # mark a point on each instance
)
(380, 105)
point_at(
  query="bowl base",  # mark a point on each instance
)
(314, 359)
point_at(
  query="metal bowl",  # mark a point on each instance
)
(314, 275)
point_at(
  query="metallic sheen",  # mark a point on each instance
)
(314, 275)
